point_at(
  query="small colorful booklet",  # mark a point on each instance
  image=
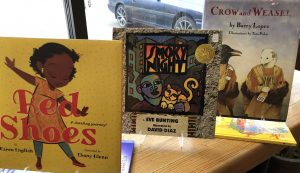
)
(260, 44)
(126, 155)
(254, 130)
(170, 81)
(60, 106)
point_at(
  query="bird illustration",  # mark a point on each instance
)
(228, 87)
(227, 53)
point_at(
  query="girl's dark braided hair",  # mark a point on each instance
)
(48, 50)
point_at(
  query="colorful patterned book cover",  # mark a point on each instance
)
(126, 155)
(60, 106)
(254, 130)
(170, 81)
(260, 43)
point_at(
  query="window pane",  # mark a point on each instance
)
(33, 18)
(101, 15)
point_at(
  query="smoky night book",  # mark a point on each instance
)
(166, 88)
(260, 43)
(60, 107)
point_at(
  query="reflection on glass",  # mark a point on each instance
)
(33, 18)
(178, 14)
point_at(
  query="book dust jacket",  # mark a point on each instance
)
(170, 81)
(259, 51)
(260, 43)
(60, 105)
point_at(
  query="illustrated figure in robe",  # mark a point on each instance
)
(265, 88)
(228, 87)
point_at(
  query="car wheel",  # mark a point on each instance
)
(184, 22)
(121, 16)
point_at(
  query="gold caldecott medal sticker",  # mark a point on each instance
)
(205, 53)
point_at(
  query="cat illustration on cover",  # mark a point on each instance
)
(172, 96)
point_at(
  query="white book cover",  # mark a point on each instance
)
(260, 43)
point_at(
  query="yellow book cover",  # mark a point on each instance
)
(60, 106)
(254, 130)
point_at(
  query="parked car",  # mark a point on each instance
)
(178, 14)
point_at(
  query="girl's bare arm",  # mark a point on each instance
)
(27, 77)
(68, 106)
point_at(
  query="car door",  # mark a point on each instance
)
(166, 12)
(159, 13)
(145, 11)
